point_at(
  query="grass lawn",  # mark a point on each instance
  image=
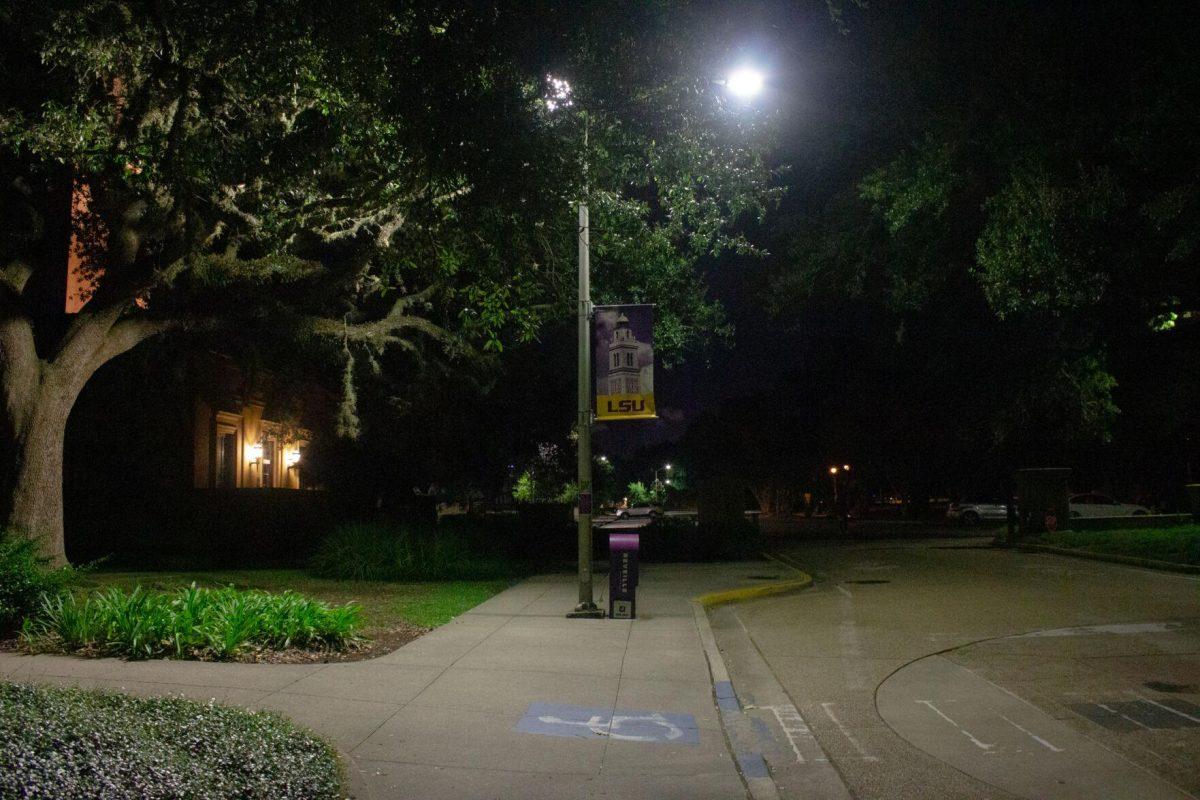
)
(386, 605)
(1179, 544)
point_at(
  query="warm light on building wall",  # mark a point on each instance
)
(256, 451)
(293, 458)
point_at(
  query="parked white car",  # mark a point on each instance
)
(639, 511)
(973, 511)
(1100, 505)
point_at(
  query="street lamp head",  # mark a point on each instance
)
(744, 82)
(833, 470)
(666, 466)
(845, 467)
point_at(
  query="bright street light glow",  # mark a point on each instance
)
(744, 82)
(667, 466)
(833, 470)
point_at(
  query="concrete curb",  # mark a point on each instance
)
(750, 765)
(713, 599)
(1132, 561)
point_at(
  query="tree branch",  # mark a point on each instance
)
(384, 331)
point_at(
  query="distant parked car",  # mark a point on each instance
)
(638, 511)
(973, 511)
(1101, 505)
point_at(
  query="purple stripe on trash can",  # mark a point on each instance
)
(623, 541)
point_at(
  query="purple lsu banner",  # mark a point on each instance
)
(624, 359)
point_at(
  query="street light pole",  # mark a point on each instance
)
(587, 604)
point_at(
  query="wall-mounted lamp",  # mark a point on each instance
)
(256, 452)
(292, 458)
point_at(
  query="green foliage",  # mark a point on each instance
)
(189, 623)
(67, 743)
(639, 495)
(919, 182)
(1180, 545)
(545, 479)
(1039, 249)
(24, 579)
(367, 551)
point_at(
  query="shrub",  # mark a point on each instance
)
(70, 743)
(24, 579)
(190, 623)
(368, 551)
(682, 539)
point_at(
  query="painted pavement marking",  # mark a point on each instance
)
(1033, 736)
(1119, 629)
(793, 725)
(1174, 711)
(987, 748)
(844, 591)
(1127, 716)
(652, 727)
(828, 707)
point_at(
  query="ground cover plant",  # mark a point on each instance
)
(192, 622)
(69, 743)
(1179, 544)
(24, 579)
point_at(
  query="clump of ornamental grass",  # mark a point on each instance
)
(70, 744)
(189, 623)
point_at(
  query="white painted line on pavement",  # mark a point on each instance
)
(1119, 714)
(845, 591)
(1033, 736)
(981, 745)
(846, 732)
(1174, 711)
(793, 725)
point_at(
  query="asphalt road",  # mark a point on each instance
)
(946, 669)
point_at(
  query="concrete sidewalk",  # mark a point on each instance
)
(625, 709)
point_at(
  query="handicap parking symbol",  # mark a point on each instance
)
(625, 725)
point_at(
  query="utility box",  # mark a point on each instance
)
(1043, 501)
(623, 550)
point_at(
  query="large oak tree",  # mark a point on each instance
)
(361, 177)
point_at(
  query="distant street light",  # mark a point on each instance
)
(834, 470)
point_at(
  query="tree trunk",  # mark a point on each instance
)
(36, 471)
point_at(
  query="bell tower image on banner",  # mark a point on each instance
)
(624, 362)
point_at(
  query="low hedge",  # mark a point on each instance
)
(1180, 545)
(73, 744)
